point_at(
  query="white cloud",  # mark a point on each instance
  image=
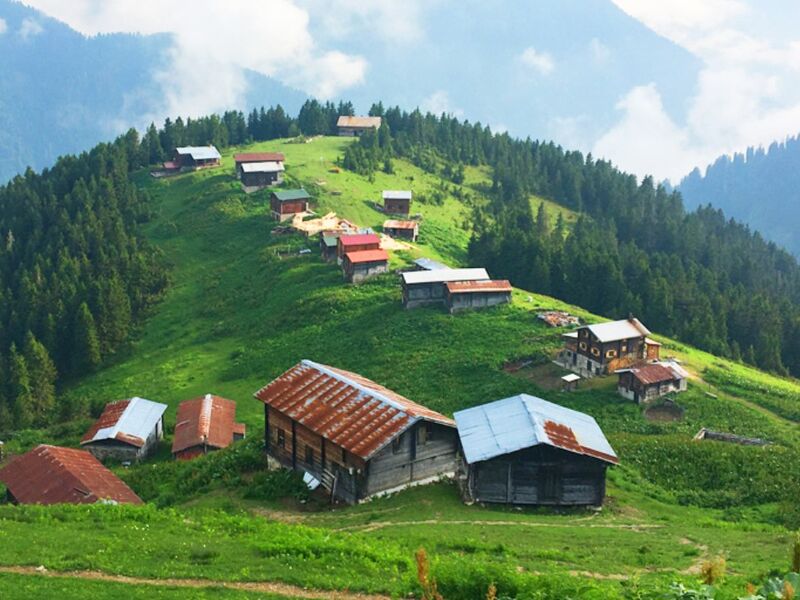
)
(541, 62)
(330, 74)
(391, 20)
(3, 26)
(600, 52)
(439, 102)
(29, 28)
(677, 15)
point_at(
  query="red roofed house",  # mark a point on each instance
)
(358, 266)
(643, 383)
(355, 243)
(408, 230)
(357, 438)
(462, 295)
(128, 430)
(205, 424)
(53, 475)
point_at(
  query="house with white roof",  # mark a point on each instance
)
(430, 286)
(196, 157)
(127, 430)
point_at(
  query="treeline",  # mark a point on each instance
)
(75, 275)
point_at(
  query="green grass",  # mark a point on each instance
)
(237, 315)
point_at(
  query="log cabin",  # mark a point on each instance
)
(647, 382)
(361, 265)
(356, 437)
(259, 175)
(527, 451)
(407, 230)
(397, 202)
(203, 425)
(244, 158)
(285, 204)
(429, 287)
(196, 157)
(463, 295)
(127, 430)
(351, 126)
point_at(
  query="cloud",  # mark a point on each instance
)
(3, 26)
(213, 42)
(29, 28)
(679, 15)
(438, 103)
(538, 61)
(391, 20)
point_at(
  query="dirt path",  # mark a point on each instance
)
(367, 527)
(283, 589)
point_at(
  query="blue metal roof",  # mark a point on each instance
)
(523, 421)
(429, 264)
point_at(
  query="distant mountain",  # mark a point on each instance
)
(760, 188)
(61, 92)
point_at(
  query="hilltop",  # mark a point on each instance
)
(242, 307)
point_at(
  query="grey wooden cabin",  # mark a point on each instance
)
(430, 287)
(527, 451)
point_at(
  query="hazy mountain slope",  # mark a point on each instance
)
(760, 188)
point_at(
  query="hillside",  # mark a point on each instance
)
(758, 187)
(239, 312)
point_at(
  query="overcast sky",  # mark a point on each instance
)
(747, 93)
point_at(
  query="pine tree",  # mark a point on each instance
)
(43, 377)
(19, 389)
(86, 351)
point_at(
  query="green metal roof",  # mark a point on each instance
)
(287, 195)
(330, 240)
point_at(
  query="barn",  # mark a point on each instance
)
(397, 202)
(361, 265)
(463, 295)
(55, 475)
(525, 450)
(407, 230)
(205, 424)
(356, 242)
(354, 126)
(357, 438)
(285, 204)
(127, 430)
(196, 157)
(429, 287)
(647, 382)
(261, 174)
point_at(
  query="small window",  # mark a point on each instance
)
(281, 438)
(611, 354)
(583, 345)
(309, 455)
(624, 347)
(596, 351)
(422, 435)
(583, 333)
(396, 444)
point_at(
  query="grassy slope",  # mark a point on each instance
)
(237, 316)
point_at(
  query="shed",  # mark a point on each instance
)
(428, 287)
(525, 450)
(570, 382)
(328, 243)
(643, 383)
(354, 126)
(55, 475)
(196, 157)
(244, 158)
(261, 174)
(285, 204)
(127, 430)
(462, 295)
(205, 424)
(356, 242)
(361, 265)
(358, 438)
(408, 230)
(397, 202)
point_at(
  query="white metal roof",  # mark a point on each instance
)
(397, 194)
(445, 275)
(523, 421)
(268, 166)
(138, 419)
(429, 264)
(199, 152)
(570, 377)
(619, 330)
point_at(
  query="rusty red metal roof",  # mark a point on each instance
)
(54, 475)
(653, 373)
(394, 224)
(345, 408)
(110, 417)
(359, 239)
(246, 157)
(365, 256)
(466, 287)
(205, 421)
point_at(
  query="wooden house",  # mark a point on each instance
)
(127, 430)
(361, 265)
(205, 424)
(646, 382)
(462, 295)
(354, 126)
(261, 174)
(356, 242)
(397, 202)
(407, 230)
(244, 158)
(196, 157)
(328, 244)
(285, 204)
(607, 347)
(429, 287)
(357, 438)
(525, 450)
(54, 475)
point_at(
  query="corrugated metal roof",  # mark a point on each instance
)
(656, 372)
(365, 256)
(358, 122)
(359, 239)
(469, 287)
(53, 475)
(200, 152)
(288, 195)
(429, 264)
(250, 157)
(444, 275)
(395, 224)
(396, 195)
(624, 329)
(345, 408)
(270, 166)
(208, 420)
(129, 421)
(523, 421)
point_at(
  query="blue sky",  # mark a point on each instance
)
(714, 76)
